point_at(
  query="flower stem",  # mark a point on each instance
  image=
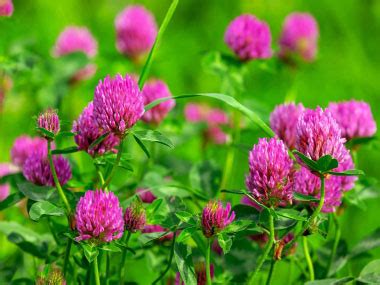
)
(208, 261)
(100, 175)
(96, 271)
(123, 257)
(270, 274)
(267, 249)
(56, 181)
(169, 261)
(115, 165)
(336, 243)
(308, 258)
(67, 256)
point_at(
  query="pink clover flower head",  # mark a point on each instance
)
(249, 38)
(354, 118)
(299, 37)
(135, 217)
(99, 217)
(215, 218)
(6, 8)
(283, 121)
(153, 90)
(270, 173)
(49, 120)
(136, 31)
(145, 195)
(24, 146)
(118, 104)
(88, 132)
(76, 39)
(318, 134)
(37, 169)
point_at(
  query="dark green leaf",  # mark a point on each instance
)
(142, 146)
(70, 149)
(183, 259)
(304, 198)
(36, 193)
(184, 216)
(359, 141)
(11, 200)
(351, 172)
(44, 208)
(46, 133)
(110, 247)
(153, 136)
(186, 234)
(237, 226)
(65, 134)
(309, 162)
(225, 242)
(370, 273)
(98, 140)
(290, 214)
(326, 163)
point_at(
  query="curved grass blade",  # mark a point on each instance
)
(161, 31)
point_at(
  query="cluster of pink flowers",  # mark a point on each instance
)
(314, 133)
(249, 38)
(215, 218)
(214, 118)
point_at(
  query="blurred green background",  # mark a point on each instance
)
(348, 66)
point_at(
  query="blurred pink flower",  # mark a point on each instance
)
(24, 146)
(6, 8)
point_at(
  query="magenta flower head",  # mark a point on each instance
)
(216, 135)
(118, 104)
(153, 90)
(305, 182)
(5, 169)
(24, 146)
(136, 31)
(318, 134)
(299, 37)
(145, 195)
(6, 8)
(135, 217)
(76, 39)
(194, 112)
(88, 132)
(249, 38)
(354, 118)
(49, 120)
(99, 217)
(215, 218)
(37, 169)
(283, 121)
(270, 173)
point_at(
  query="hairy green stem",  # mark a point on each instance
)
(308, 258)
(335, 245)
(123, 257)
(56, 181)
(271, 270)
(67, 255)
(208, 261)
(115, 165)
(267, 249)
(162, 275)
(96, 271)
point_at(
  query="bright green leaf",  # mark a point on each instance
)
(44, 208)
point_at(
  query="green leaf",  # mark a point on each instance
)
(313, 165)
(226, 99)
(11, 200)
(359, 141)
(153, 136)
(142, 146)
(331, 281)
(225, 242)
(98, 140)
(326, 163)
(44, 208)
(69, 149)
(304, 198)
(65, 134)
(237, 226)
(110, 247)
(36, 193)
(351, 172)
(370, 273)
(183, 259)
(90, 252)
(144, 239)
(161, 31)
(184, 216)
(186, 234)
(46, 133)
(290, 214)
